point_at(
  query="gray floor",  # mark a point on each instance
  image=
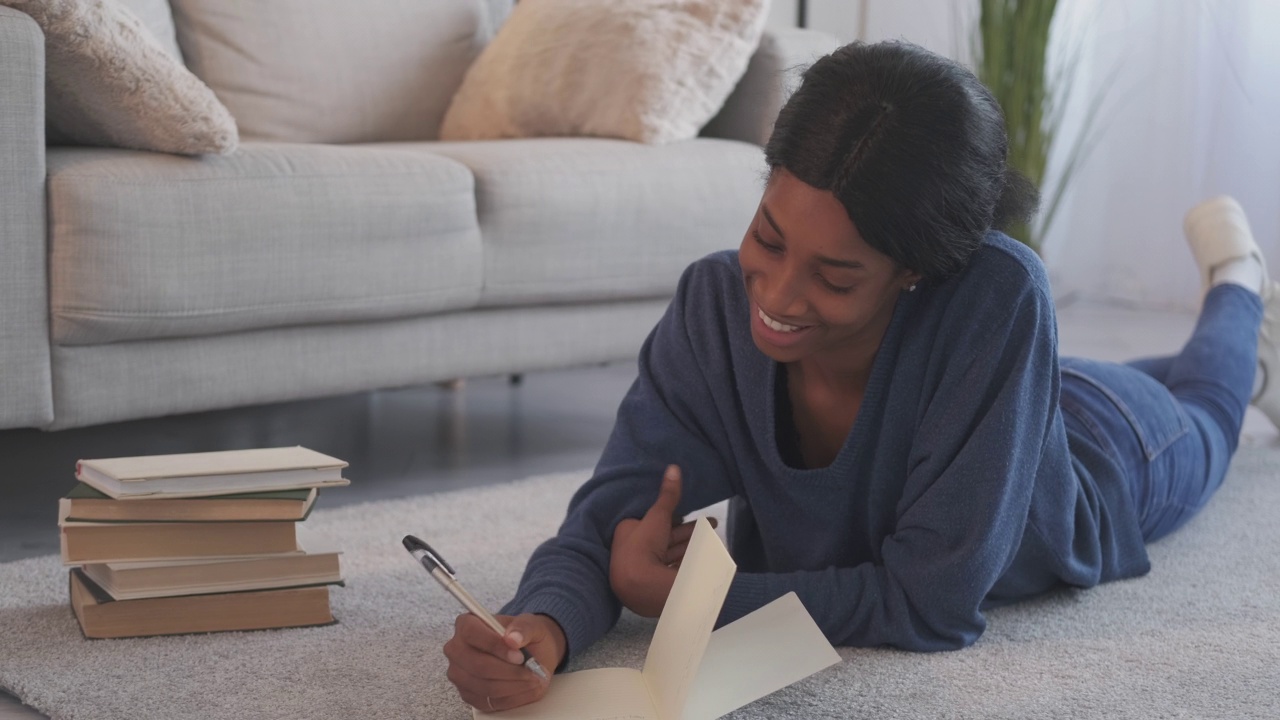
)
(422, 440)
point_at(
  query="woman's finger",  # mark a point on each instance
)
(492, 703)
(474, 632)
(664, 507)
(675, 554)
(681, 534)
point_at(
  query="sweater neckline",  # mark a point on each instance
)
(877, 382)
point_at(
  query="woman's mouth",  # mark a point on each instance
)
(777, 333)
(778, 324)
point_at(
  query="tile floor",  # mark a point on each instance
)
(428, 439)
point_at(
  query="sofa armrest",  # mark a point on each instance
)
(772, 75)
(26, 394)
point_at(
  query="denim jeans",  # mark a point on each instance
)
(1173, 423)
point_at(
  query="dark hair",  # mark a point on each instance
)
(912, 144)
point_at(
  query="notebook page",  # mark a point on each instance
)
(771, 648)
(603, 694)
(684, 628)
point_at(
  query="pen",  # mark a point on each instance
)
(440, 570)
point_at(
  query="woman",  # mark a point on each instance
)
(874, 377)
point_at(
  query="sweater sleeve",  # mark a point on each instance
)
(971, 471)
(668, 416)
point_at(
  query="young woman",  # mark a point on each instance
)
(874, 378)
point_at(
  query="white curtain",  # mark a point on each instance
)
(1192, 111)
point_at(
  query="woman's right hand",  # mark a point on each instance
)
(488, 669)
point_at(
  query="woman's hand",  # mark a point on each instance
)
(646, 553)
(488, 669)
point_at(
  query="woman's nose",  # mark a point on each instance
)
(780, 292)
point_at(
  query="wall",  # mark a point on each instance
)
(935, 24)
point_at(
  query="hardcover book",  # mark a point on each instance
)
(124, 542)
(101, 616)
(315, 563)
(85, 504)
(212, 473)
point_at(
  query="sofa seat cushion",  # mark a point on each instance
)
(584, 219)
(145, 245)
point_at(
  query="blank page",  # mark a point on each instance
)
(765, 651)
(687, 620)
(603, 694)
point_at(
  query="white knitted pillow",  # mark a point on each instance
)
(653, 71)
(109, 81)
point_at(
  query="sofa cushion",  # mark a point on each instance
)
(333, 71)
(153, 246)
(568, 219)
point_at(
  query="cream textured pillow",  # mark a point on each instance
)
(654, 71)
(109, 81)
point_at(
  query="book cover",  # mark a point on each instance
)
(211, 473)
(86, 504)
(101, 616)
(315, 563)
(83, 542)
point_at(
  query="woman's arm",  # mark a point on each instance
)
(668, 417)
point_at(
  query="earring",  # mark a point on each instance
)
(912, 288)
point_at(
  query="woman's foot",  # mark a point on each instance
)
(1223, 245)
(1266, 387)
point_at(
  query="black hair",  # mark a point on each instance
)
(912, 144)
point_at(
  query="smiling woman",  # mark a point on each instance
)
(873, 378)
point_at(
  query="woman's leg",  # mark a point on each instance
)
(1156, 367)
(1174, 423)
(1212, 378)
(1173, 431)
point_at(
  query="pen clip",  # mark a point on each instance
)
(415, 546)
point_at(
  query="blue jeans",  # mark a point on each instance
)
(1173, 423)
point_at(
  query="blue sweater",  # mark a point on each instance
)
(958, 488)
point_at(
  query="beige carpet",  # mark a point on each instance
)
(1197, 638)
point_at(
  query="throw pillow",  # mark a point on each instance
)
(653, 71)
(109, 81)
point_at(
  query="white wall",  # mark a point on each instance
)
(934, 24)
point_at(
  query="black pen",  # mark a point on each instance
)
(445, 575)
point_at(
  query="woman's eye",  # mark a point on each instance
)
(838, 289)
(775, 249)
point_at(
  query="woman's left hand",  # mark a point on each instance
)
(646, 553)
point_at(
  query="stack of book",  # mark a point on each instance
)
(199, 542)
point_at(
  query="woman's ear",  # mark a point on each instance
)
(910, 280)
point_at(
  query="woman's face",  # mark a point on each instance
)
(816, 288)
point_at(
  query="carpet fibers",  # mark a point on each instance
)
(1197, 638)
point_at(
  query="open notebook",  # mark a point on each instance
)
(690, 672)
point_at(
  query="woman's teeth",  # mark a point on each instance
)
(778, 326)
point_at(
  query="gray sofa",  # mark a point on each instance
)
(137, 284)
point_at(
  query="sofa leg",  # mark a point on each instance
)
(454, 385)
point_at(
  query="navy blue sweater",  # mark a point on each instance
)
(958, 488)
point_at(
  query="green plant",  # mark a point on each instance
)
(1012, 59)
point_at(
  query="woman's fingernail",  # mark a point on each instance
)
(515, 657)
(517, 637)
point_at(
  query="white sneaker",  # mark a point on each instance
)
(1218, 232)
(1267, 395)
